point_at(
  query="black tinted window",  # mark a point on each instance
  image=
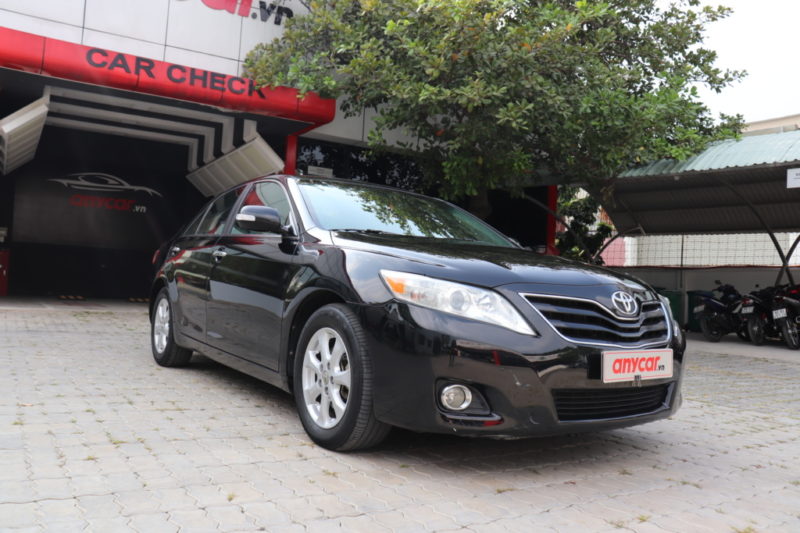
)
(214, 220)
(354, 207)
(191, 227)
(268, 194)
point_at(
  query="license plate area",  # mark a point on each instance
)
(747, 310)
(779, 313)
(621, 366)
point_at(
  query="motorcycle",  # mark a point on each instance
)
(786, 313)
(756, 311)
(719, 316)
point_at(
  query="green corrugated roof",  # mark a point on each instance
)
(756, 150)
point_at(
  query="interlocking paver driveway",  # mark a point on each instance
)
(95, 437)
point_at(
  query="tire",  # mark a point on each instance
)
(162, 341)
(711, 332)
(743, 332)
(333, 383)
(790, 333)
(755, 328)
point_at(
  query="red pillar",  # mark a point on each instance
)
(552, 203)
(5, 256)
(290, 161)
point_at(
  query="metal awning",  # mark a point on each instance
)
(215, 117)
(733, 186)
(207, 134)
(20, 133)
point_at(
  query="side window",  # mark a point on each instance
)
(216, 216)
(269, 194)
(191, 228)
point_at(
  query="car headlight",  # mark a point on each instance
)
(463, 300)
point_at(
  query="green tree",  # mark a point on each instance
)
(502, 93)
(585, 234)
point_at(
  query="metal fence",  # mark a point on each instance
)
(692, 251)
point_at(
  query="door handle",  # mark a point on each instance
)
(219, 254)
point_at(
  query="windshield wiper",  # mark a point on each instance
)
(366, 231)
(419, 237)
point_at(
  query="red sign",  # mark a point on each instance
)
(636, 365)
(245, 8)
(42, 55)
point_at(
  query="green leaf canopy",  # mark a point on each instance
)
(499, 93)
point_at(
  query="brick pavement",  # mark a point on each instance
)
(95, 437)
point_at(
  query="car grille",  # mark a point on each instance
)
(588, 322)
(599, 404)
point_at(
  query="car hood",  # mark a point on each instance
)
(488, 266)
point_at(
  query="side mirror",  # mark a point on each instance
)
(259, 218)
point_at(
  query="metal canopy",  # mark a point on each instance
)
(20, 133)
(732, 187)
(223, 147)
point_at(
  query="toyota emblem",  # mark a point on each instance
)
(625, 303)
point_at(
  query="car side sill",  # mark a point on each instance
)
(237, 363)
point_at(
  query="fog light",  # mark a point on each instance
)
(456, 397)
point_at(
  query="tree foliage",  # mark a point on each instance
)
(585, 234)
(501, 93)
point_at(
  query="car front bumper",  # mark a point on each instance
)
(534, 386)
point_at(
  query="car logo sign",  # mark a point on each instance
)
(625, 303)
(97, 181)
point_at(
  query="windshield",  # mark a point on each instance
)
(337, 206)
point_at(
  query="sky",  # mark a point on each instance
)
(761, 37)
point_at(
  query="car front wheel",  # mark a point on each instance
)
(333, 385)
(162, 341)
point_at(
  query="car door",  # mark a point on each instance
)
(191, 259)
(249, 282)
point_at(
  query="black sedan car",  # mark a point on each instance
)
(377, 307)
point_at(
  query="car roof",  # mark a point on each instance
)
(284, 178)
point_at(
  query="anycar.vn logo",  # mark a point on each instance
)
(244, 8)
(98, 182)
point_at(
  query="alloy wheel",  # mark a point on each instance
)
(161, 323)
(326, 378)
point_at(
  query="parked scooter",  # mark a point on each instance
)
(756, 311)
(786, 314)
(719, 316)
